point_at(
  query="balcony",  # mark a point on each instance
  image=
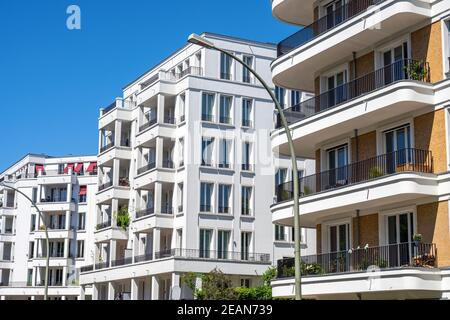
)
(148, 124)
(147, 167)
(390, 178)
(293, 11)
(119, 104)
(105, 186)
(113, 151)
(405, 268)
(56, 204)
(388, 92)
(353, 27)
(145, 213)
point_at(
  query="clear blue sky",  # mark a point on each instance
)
(53, 81)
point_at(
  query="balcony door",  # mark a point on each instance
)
(339, 244)
(337, 166)
(397, 147)
(394, 63)
(400, 231)
(335, 13)
(335, 89)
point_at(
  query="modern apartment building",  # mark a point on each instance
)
(64, 189)
(378, 128)
(186, 176)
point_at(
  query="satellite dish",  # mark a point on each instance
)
(176, 293)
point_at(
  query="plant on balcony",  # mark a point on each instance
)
(416, 70)
(123, 218)
(417, 238)
(425, 261)
(375, 172)
(42, 228)
(306, 269)
(124, 182)
(307, 190)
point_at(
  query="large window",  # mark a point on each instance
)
(208, 107)
(280, 233)
(81, 221)
(246, 75)
(205, 243)
(224, 153)
(339, 237)
(280, 177)
(223, 243)
(225, 67)
(207, 151)
(246, 202)
(80, 249)
(397, 146)
(206, 191)
(279, 94)
(247, 112)
(225, 109)
(246, 238)
(400, 232)
(224, 198)
(246, 154)
(337, 166)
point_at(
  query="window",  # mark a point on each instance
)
(31, 250)
(181, 153)
(224, 198)
(180, 238)
(335, 13)
(246, 151)
(246, 75)
(247, 112)
(224, 153)
(339, 236)
(279, 233)
(34, 195)
(182, 107)
(335, 89)
(246, 238)
(302, 235)
(33, 223)
(400, 233)
(394, 63)
(180, 197)
(81, 221)
(280, 178)
(397, 143)
(223, 242)
(30, 277)
(206, 190)
(207, 151)
(279, 94)
(80, 249)
(246, 201)
(207, 106)
(246, 283)
(337, 166)
(57, 222)
(225, 67)
(295, 97)
(56, 249)
(225, 109)
(205, 243)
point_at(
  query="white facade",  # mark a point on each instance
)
(186, 152)
(64, 189)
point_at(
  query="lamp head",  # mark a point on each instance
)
(196, 39)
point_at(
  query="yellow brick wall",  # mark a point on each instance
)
(364, 65)
(319, 238)
(367, 146)
(429, 134)
(368, 225)
(433, 224)
(426, 44)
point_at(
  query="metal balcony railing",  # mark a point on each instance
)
(145, 212)
(107, 147)
(105, 186)
(414, 160)
(408, 254)
(400, 70)
(148, 167)
(168, 164)
(104, 225)
(148, 124)
(324, 24)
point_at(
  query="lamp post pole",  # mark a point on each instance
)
(195, 39)
(47, 262)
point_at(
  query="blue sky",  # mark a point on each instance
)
(53, 81)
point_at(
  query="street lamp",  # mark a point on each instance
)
(47, 262)
(196, 39)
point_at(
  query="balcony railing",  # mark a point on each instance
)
(148, 167)
(195, 71)
(413, 160)
(168, 164)
(148, 124)
(104, 225)
(263, 258)
(169, 120)
(408, 254)
(166, 209)
(205, 208)
(105, 186)
(324, 24)
(107, 147)
(145, 212)
(400, 70)
(126, 104)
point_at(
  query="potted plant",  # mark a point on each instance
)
(416, 70)
(375, 172)
(417, 238)
(123, 218)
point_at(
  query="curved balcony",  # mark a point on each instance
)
(386, 179)
(299, 12)
(357, 25)
(388, 92)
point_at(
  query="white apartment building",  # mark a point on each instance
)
(64, 189)
(378, 128)
(185, 156)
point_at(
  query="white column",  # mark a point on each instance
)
(69, 189)
(156, 241)
(94, 291)
(112, 250)
(155, 288)
(134, 289)
(68, 217)
(117, 133)
(111, 291)
(116, 170)
(82, 295)
(176, 281)
(64, 279)
(159, 151)
(114, 210)
(100, 139)
(157, 197)
(136, 245)
(66, 248)
(161, 104)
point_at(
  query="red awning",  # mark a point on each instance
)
(38, 167)
(78, 168)
(91, 167)
(69, 165)
(83, 190)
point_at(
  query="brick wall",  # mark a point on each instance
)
(319, 238)
(368, 225)
(367, 146)
(364, 65)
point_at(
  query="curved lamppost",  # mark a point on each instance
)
(47, 262)
(195, 39)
